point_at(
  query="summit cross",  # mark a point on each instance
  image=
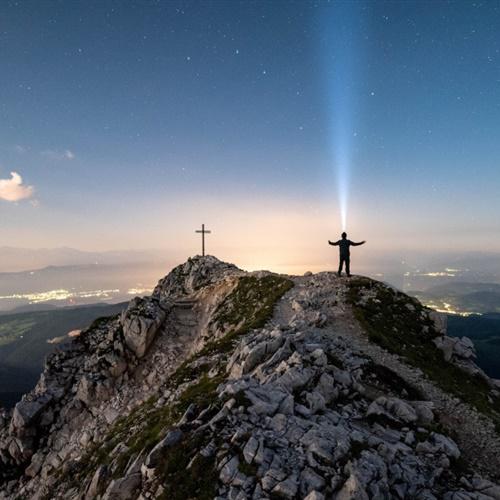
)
(203, 232)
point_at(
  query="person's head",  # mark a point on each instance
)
(344, 236)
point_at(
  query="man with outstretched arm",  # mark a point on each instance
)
(345, 255)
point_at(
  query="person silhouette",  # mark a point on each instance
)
(345, 254)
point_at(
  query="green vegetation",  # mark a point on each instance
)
(188, 474)
(23, 343)
(402, 325)
(389, 382)
(16, 328)
(250, 305)
(144, 428)
(249, 470)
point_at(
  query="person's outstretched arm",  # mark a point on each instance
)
(333, 242)
(357, 244)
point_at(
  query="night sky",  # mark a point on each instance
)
(128, 124)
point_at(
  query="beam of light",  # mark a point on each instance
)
(342, 170)
(341, 42)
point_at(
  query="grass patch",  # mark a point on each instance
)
(187, 371)
(186, 473)
(250, 470)
(201, 394)
(401, 325)
(12, 330)
(249, 306)
(389, 381)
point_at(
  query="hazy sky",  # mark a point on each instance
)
(128, 124)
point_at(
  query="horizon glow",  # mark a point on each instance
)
(274, 129)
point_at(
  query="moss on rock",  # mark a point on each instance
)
(402, 325)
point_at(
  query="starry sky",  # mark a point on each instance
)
(125, 125)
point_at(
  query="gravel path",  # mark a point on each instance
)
(475, 433)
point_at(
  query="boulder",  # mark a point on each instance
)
(140, 322)
(440, 321)
(464, 348)
(287, 488)
(352, 489)
(394, 409)
(171, 439)
(445, 344)
(26, 412)
(91, 392)
(250, 449)
(437, 443)
(229, 470)
(123, 488)
(310, 481)
(36, 464)
(315, 495)
(424, 411)
(97, 483)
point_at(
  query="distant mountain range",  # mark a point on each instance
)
(15, 259)
(79, 284)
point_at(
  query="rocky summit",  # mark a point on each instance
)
(233, 385)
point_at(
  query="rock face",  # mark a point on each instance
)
(232, 385)
(140, 322)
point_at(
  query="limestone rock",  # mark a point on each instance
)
(96, 485)
(440, 321)
(171, 439)
(27, 411)
(141, 321)
(183, 388)
(123, 488)
(393, 408)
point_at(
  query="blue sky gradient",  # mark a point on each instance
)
(137, 121)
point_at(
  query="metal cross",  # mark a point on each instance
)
(203, 232)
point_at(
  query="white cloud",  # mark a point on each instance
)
(59, 155)
(13, 189)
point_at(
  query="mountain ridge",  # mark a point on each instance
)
(231, 384)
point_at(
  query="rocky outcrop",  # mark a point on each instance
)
(192, 276)
(234, 385)
(91, 382)
(140, 322)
